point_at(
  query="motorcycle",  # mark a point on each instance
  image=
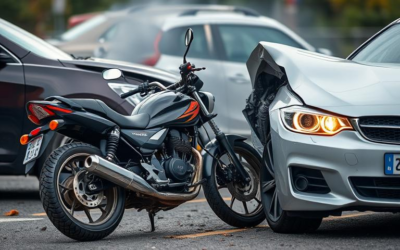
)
(147, 161)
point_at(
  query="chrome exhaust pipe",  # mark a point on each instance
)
(129, 180)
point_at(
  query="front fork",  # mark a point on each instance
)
(223, 142)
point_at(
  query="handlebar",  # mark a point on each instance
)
(143, 88)
(186, 69)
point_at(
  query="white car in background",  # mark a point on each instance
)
(224, 38)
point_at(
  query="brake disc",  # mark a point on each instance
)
(245, 192)
(88, 200)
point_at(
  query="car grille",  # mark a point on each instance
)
(385, 129)
(377, 187)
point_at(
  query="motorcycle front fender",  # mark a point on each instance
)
(214, 148)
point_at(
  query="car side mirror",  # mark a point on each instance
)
(324, 51)
(112, 74)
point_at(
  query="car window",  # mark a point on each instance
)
(173, 42)
(109, 34)
(383, 49)
(31, 42)
(6, 57)
(84, 27)
(240, 40)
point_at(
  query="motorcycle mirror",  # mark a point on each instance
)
(188, 42)
(112, 74)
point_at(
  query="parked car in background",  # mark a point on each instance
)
(31, 69)
(82, 39)
(225, 37)
(78, 19)
(331, 133)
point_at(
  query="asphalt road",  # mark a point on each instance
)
(190, 226)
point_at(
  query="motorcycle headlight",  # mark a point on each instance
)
(121, 88)
(309, 121)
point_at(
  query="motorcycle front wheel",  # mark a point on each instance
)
(234, 203)
(74, 211)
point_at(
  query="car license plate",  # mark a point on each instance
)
(33, 149)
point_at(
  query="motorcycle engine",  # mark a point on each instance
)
(179, 153)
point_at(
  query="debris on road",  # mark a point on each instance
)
(12, 212)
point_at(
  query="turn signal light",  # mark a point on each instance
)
(24, 139)
(53, 124)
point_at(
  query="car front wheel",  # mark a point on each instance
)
(278, 219)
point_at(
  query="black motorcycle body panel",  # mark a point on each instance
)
(146, 140)
(169, 109)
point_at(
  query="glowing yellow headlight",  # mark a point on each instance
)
(308, 121)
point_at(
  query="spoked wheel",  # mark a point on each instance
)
(67, 200)
(236, 204)
(278, 219)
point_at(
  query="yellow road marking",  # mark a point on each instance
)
(222, 232)
(39, 214)
(348, 216)
(189, 236)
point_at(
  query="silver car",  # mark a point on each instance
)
(330, 129)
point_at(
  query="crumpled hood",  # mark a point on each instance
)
(334, 84)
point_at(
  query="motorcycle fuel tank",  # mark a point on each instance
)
(169, 109)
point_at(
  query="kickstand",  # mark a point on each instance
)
(151, 217)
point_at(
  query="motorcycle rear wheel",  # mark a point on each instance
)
(76, 214)
(235, 205)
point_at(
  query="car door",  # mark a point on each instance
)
(12, 100)
(237, 42)
(203, 53)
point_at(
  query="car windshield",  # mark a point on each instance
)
(384, 49)
(83, 28)
(30, 42)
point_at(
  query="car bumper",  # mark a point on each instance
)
(338, 158)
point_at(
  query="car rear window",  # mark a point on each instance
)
(383, 49)
(173, 42)
(240, 40)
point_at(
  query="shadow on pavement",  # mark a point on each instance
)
(375, 226)
(19, 195)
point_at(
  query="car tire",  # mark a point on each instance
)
(278, 219)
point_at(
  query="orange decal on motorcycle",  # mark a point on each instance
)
(192, 111)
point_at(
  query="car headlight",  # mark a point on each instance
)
(309, 121)
(121, 88)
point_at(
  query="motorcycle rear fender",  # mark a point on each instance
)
(214, 149)
(47, 137)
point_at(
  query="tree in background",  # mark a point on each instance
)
(36, 15)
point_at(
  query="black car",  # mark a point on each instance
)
(31, 69)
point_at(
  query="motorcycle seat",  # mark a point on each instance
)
(139, 121)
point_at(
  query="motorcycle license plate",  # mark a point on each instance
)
(33, 149)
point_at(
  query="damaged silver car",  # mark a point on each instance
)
(328, 129)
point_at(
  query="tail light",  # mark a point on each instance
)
(152, 60)
(39, 112)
